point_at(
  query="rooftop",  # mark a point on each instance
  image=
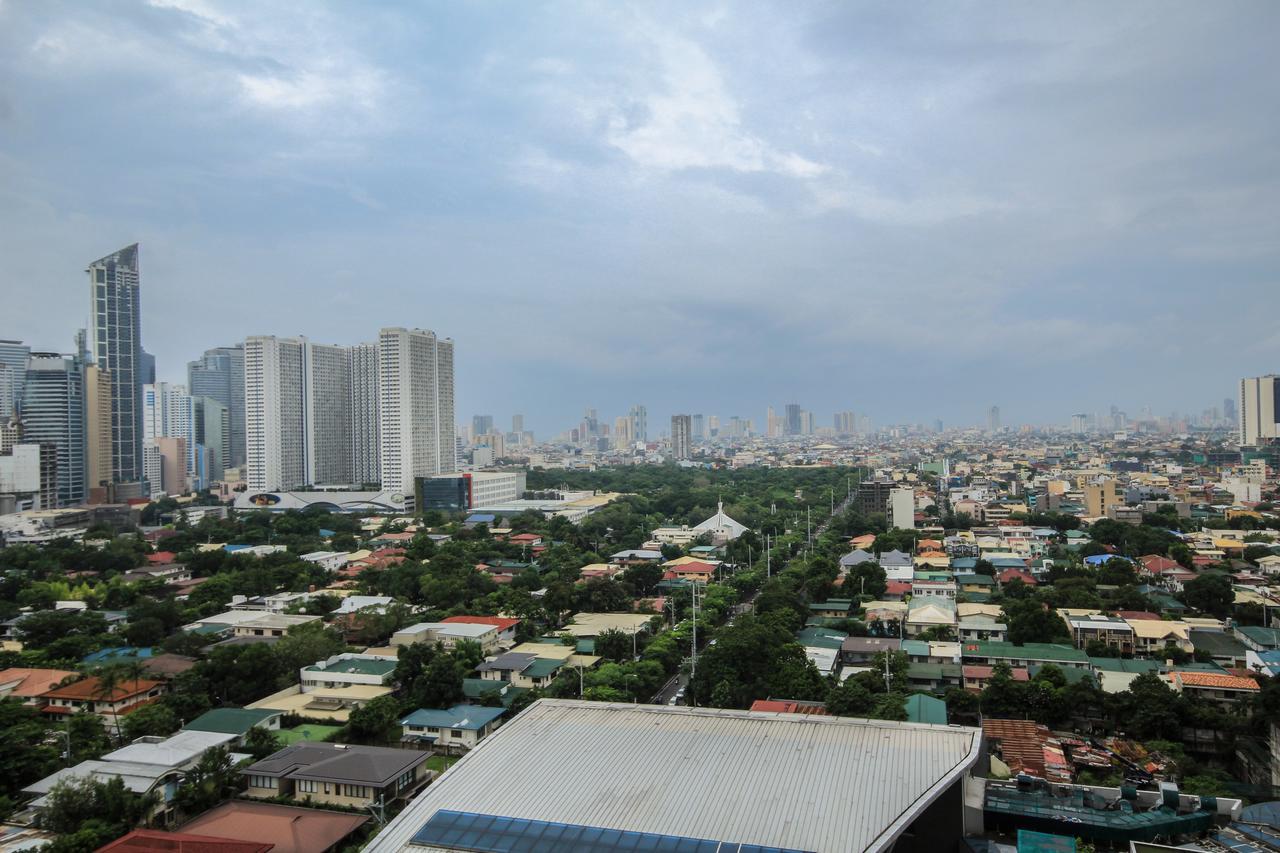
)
(368, 765)
(470, 717)
(232, 721)
(825, 806)
(288, 829)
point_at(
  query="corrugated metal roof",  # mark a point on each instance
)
(783, 780)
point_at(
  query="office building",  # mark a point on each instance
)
(219, 375)
(681, 436)
(872, 496)
(116, 343)
(211, 434)
(29, 476)
(53, 413)
(13, 375)
(466, 491)
(806, 423)
(326, 413)
(416, 406)
(698, 427)
(494, 441)
(146, 369)
(273, 413)
(639, 423)
(1101, 496)
(517, 424)
(993, 419)
(1259, 410)
(365, 466)
(481, 424)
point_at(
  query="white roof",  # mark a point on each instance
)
(172, 751)
(782, 780)
(138, 778)
(450, 629)
(722, 522)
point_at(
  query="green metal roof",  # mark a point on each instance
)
(1135, 665)
(230, 721)
(922, 708)
(542, 667)
(358, 666)
(820, 638)
(1045, 652)
(1266, 637)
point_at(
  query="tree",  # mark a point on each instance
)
(614, 645)
(305, 645)
(1030, 622)
(1209, 593)
(1003, 697)
(209, 782)
(73, 803)
(1151, 709)
(88, 737)
(261, 742)
(850, 699)
(1117, 572)
(375, 722)
(151, 720)
(24, 756)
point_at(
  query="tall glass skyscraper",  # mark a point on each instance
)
(219, 374)
(53, 413)
(116, 340)
(13, 373)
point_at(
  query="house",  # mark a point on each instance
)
(109, 703)
(505, 626)
(169, 573)
(590, 625)
(861, 651)
(1258, 638)
(357, 603)
(449, 634)
(636, 556)
(339, 774)
(276, 603)
(1111, 630)
(832, 608)
(1223, 648)
(690, 570)
(287, 829)
(1214, 687)
(981, 628)
(330, 561)
(451, 729)
(1025, 655)
(30, 684)
(931, 613)
(1012, 574)
(235, 721)
(931, 588)
(977, 676)
(856, 557)
(146, 766)
(270, 625)
(1151, 636)
(154, 841)
(345, 670)
(897, 565)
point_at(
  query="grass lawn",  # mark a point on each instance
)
(307, 731)
(440, 763)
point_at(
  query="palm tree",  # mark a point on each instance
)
(121, 673)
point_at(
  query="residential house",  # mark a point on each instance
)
(284, 829)
(1214, 687)
(925, 614)
(1025, 655)
(271, 625)
(339, 774)
(861, 651)
(109, 703)
(448, 634)
(1151, 636)
(330, 561)
(347, 669)
(505, 626)
(977, 676)
(451, 729)
(29, 685)
(981, 628)
(237, 722)
(1111, 630)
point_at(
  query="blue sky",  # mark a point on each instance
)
(909, 210)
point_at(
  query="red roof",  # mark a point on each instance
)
(1020, 574)
(525, 537)
(292, 829)
(1154, 563)
(153, 841)
(1138, 614)
(502, 623)
(86, 689)
(161, 557)
(789, 706)
(1021, 743)
(898, 588)
(694, 568)
(978, 671)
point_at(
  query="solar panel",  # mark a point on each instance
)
(482, 833)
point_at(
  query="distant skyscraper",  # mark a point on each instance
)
(681, 436)
(713, 425)
(791, 419)
(517, 425)
(1259, 410)
(13, 375)
(639, 423)
(993, 419)
(846, 423)
(365, 464)
(699, 427)
(1080, 423)
(211, 432)
(97, 432)
(273, 413)
(416, 396)
(146, 369)
(481, 424)
(116, 341)
(219, 374)
(53, 413)
(1229, 413)
(622, 432)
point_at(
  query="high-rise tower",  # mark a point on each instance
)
(416, 406)
(116, 341)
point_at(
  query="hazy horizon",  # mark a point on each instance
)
(908, 211)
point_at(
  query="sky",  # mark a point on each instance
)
(910, 210)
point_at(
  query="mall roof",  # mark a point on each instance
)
(851, 784)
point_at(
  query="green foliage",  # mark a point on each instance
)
(209, 782)
(375, 722)
(759, 658)
(260, 743)
(24, 756)
(614, 645)
(1030, 621)
(155, 720)
(73, 803)
(1211, 593)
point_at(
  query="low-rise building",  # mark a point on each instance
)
(271, 625)
(339, 774)
(1214, 687)
(452, 729)
(1110, 630)
(1150, 636)
(345, 670)
(109, 702)
(448, 634)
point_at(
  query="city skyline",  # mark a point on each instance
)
(899, 181)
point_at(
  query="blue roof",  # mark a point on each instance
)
(115, 653)
(479, 517)
(497, 834)
(469, 717)
(325, 534)
(233, 548)
(1099, 559)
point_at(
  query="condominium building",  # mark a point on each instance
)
(416, 406)
(97, 432)
(639, 416)
(326, 413)
(681, 436)
(13, 375)
(365, 467)
(273, 413)
(219, 374)
(53, 413)
(116, 341)
(1259, 410)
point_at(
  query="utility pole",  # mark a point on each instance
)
(693, 666)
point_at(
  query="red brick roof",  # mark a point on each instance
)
(160, 558)
(87, 689)
(1021, 743)
(1214, 681)
(34, 682)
